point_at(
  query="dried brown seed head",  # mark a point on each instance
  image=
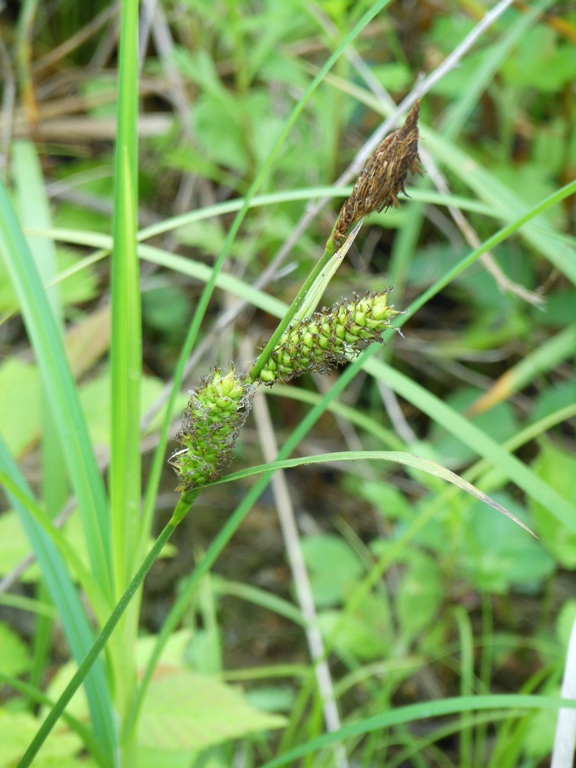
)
(383, 177)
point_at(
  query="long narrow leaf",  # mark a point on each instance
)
(126, 345)
(34, 209)
(423, 711)
(474, 437)
(409, 460)
(59, 388)
(71, 612)
(507, 203)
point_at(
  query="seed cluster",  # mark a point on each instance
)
(329, 338)
(210, 426)
(383, 177)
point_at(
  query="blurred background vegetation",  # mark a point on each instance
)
(461, 601)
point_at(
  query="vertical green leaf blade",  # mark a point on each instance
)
(59, 388)
(71, 612)
(126, 347)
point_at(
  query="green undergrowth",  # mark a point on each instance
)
(405, 620)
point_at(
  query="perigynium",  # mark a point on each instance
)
(329, 337)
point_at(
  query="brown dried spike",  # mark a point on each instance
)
(383, 177)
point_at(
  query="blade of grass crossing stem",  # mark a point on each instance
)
(490, 477)
(490, 243)
(60, 391)
(71, 612)
(275, 307)
(290, 195)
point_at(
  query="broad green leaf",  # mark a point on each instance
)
(553, 398)
(277, 698)
(184, 710)
(391, 503)
(173, 652)
(16, 732)
(79, 285)
(148, 757)
(541, 62)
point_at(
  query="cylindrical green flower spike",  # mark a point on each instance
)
(329, 338)
(210, 426)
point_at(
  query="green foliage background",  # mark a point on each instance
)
(423, 594)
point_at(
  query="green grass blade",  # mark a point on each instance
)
(423, 711)
(34, 695)
(407, 459)
(273, 306)
(97, 647)
(34, 209)
(506, 203)
(71, 612)
(471, 435)
(60, 390)
(127, 529)
(126, 341)
(540, 361)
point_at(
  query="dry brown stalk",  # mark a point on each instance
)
(383, 177)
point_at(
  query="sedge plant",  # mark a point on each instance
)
(306, 340)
